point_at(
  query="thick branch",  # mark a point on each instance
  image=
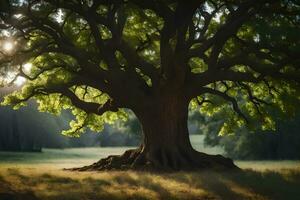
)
(88, 107)
(197, 81)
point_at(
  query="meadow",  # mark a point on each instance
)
(26, 176)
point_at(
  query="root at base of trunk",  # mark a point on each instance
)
(137, 159)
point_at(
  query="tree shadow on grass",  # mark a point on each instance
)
(8, 193)
(145, 182)
(211, 182)
(272, 184)
(120, 185)
(55, 187)
(246, 184)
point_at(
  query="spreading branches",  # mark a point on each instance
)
(64, 90)
(226, 97)
(259, 60)
(115, 21)
(257, 102)
(88, 107)
(139, 49)
(197, 81)
(198, 30)
(234, 22)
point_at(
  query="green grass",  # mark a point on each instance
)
(61, 157)
(40, 176)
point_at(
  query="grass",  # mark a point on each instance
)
(32, 176)
(30, 182)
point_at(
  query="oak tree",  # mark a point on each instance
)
(157, 58)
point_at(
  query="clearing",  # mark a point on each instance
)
(29, 176)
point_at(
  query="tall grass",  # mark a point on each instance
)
(31, 176)
(50, 183)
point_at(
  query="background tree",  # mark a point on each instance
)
(155, 57)
(122, 133)
(26, 129)
(29, 130)
(283, 143)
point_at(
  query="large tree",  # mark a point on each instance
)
(154, 57)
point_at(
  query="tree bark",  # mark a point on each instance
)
(166, 145)
(166, 138)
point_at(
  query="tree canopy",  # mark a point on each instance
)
(97, 57)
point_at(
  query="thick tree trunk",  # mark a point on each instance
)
(166, 145)
(166, 138)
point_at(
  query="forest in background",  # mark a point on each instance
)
(27, 129)
(30, 130)
(282, 143)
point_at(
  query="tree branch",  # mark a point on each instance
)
(233, 101)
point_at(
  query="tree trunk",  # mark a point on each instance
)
(166, 142)
(166, 145)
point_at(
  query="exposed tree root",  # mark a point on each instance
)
(138, 159)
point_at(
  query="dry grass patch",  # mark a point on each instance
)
(50, 183)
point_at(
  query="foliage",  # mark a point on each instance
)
(29, 130)
(279, 144)
(232, 58)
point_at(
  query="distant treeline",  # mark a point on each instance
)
(283, 143)
(27, 129)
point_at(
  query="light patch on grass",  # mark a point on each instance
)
(51, 183)
(30, 176)
(264, 165)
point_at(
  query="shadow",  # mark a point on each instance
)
(217, 186)
(16, 172)
(96, 182)
(8, 193)
(272, 184)
(145, 182)
(48, 178)
(18, 196)
(246, 184)
(212, 182)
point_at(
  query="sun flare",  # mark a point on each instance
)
(19, 81)
(13, 77)
(8, 46)
(27, 67)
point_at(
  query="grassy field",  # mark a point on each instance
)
(27, 176)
